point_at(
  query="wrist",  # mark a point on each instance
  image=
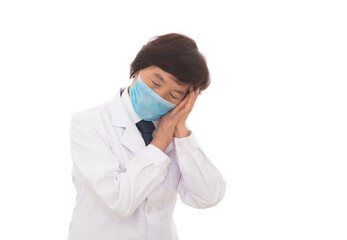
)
(162, 145)
(181, 131)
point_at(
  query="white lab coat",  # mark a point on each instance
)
(127, 190)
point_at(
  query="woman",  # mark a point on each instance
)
(132, 155)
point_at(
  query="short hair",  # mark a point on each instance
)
(176, 54)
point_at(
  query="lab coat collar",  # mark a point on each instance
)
(120, 117)
(119, 114)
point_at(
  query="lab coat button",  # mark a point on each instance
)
(149, 209)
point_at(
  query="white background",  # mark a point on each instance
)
(274, 120)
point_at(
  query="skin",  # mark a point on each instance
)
(171, 124)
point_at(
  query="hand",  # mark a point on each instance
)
(180, 130)
(174, 121)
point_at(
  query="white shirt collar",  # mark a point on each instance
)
(127, 102)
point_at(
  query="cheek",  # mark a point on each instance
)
(161, 92)
(171, 100)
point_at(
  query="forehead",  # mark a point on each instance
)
(165, 76)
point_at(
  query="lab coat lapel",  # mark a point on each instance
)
(131, 137)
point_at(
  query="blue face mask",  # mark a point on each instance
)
(147, 104)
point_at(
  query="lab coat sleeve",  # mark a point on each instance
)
(121, 192)
(201, 184)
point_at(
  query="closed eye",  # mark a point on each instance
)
(155, 84)
(173, 96)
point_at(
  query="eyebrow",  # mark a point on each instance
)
(162, 79)
(159, 77)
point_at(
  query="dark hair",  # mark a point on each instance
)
(176, 54)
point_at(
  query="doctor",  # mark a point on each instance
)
(133, 155)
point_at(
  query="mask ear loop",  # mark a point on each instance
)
(133, 76)
(139, 75)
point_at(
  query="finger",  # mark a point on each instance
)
(180, 105)
(182, 108)
(185, 99)
(188, 104)
(191, 89)
(191, 93)
(183, 103)
(175, 116)
(197, 91)
(193, 97)
(183, 111)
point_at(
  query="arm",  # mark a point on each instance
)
(121, 192)
(201, 184)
